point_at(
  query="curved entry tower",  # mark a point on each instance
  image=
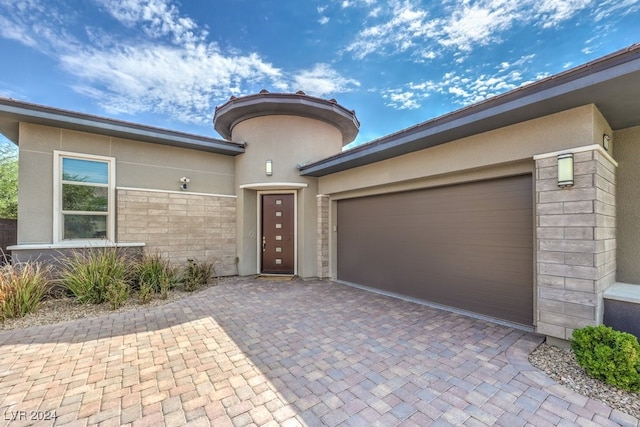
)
(277, 209)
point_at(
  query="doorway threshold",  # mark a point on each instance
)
(276, 277)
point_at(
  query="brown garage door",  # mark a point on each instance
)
(468, 246)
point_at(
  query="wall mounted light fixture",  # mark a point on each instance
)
(565, 170)
(183, 183)
(268, 167)
(606, 141)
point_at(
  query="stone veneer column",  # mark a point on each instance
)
(323, 236)
(576, 241)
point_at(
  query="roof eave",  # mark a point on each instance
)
(590, 83)
(13, 112)
(239, 109)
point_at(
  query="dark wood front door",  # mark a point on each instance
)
(277, 234)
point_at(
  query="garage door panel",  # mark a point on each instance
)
(469, 246)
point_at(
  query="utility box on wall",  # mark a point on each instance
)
(622, 308)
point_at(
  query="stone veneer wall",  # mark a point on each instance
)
(180, 226)
(576, 241)
(323, 236)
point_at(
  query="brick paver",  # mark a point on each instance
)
(283, 353)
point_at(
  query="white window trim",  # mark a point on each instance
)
(57, 196)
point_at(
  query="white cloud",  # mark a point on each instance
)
(322, 80)
(409, 97)
(401, 100)
(410, 26)
(170, 69)
(156, 18)
(34, 24)
(406, 25)
(461, 88)
(608, 8)
(179, 82)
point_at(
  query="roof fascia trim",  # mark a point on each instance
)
(74, 121)
(397, 144)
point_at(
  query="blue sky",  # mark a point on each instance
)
(396, 62)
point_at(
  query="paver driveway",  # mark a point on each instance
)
(284, 353)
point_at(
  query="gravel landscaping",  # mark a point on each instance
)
(561, 365)
(66, 309)
(558, 363)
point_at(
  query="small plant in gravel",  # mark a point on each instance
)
(154, 276)
(146, 292)
(92, 273)
(197, 274)
(22, 287)
(117, 293)
(609, 355)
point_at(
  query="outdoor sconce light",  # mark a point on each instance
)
(565, 170)
(183, 182)
(268, 167)
(606, 139)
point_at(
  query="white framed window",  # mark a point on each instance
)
(83, 197)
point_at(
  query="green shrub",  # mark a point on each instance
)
(146, 292)
(91, 273)
(22, 287)
(611, 356)
(116, 293)
(197, 274)
(165, 285)
(154, 275)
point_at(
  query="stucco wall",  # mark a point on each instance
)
(573, 128)
(138, 165)
(287, 141)
(627, 153)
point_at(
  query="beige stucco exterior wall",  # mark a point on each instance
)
(569, 129)
(138, 165)
(288, 141)
(627, 153)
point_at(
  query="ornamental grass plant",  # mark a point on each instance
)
(22, 288)
(197, 274)
(154, 276)
(97, 275)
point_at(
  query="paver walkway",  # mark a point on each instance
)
(284, 353)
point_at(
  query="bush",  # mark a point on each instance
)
(146, 292)
(611, 356)
(154, 275)
(22, 287)
(197, 274)
(90, 274)
(116, 293)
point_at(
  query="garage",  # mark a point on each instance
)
(468, 246)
